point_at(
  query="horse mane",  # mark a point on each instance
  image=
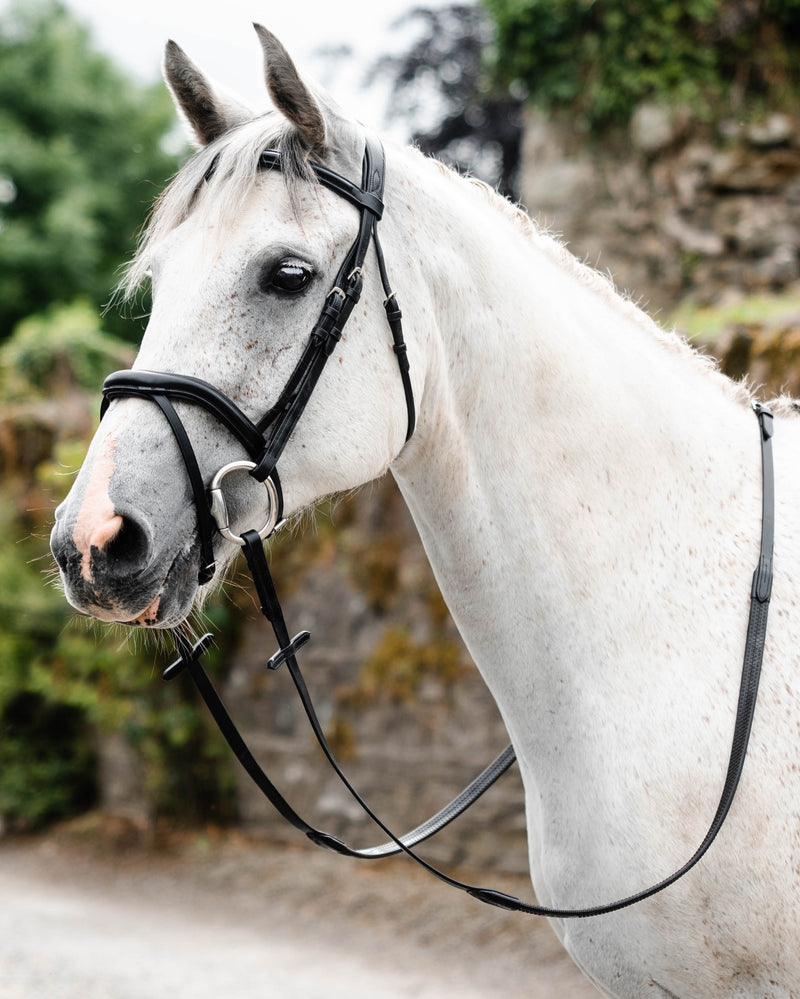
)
(227, 167)
(602, 284)
(599, 283)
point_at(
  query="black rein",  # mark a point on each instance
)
(264, 442)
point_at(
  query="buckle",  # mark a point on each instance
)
(764, 414)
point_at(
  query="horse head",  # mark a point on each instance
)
(243, 260)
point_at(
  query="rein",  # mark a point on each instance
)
(264, 442)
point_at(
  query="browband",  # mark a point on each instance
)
(271, 159)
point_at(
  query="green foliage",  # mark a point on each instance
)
(64, 681)
(81, 159)
(59, 349)
(82, 156)
(46, 767)
(47, 762)
(600, 58)
(706, 322)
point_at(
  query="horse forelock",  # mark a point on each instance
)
(228, 169)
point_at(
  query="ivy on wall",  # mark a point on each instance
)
(601, 58)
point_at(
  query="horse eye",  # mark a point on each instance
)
(287, 278)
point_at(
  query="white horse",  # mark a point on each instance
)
(586, 486)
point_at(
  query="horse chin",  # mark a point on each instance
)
(179, 594)
(167, 610)
(157, 602)
(174, 599)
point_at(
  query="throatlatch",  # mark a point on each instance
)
(264, 453)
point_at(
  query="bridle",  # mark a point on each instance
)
(264, 442)
(279, 422)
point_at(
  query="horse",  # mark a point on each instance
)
(586, 485)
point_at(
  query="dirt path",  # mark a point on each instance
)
(226, 917)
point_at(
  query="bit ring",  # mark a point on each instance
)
(219, 508)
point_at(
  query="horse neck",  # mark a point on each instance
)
(560, 433)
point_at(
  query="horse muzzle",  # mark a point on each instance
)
(110, 570)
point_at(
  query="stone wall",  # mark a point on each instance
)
(671, 208)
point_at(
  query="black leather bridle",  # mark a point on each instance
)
(264, 442)
(279, 422)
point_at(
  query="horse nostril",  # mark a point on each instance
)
(126, 546)
(105, 532)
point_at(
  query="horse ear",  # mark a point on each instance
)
(209, 112)
(288, 92)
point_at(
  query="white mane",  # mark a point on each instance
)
(597, 282)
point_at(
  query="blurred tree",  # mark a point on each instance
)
(82, 155)
(60, 349)
(440, 87)
(600, 60)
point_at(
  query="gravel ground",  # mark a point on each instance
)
(86, 914)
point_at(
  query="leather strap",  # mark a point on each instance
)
(362, 197)
(205, 523)
(341, 301)
(147, 384)
(281, 419)
(189, 658)
(270, 605)
(161, 388)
